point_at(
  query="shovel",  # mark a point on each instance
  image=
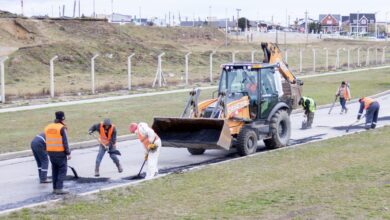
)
(357, 121)
(74, 172)
(115, 152)
(139, 176)
(331, 108)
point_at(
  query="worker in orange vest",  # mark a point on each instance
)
(107, 141)
(344, 94)
(58, 149)
(152, 145)
(372, 109)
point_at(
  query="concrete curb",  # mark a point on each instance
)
(94, 143)
(73, 146)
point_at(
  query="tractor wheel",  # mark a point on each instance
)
(246, 142)
(280, 128)
(196, 151)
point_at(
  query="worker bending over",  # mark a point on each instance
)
(344, 95)
(58, 150)
(38, 147)
(372, 109)
(107, 141)
(309, 106)
(152, 145)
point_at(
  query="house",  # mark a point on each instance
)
(330, 23)
(120, 18)
(362, 22)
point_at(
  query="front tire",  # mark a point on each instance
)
(280, 128)
(196, 151)
(246, 142)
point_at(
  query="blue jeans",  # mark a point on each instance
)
(101, 153)
(343, 102)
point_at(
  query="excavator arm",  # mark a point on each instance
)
(273, 55)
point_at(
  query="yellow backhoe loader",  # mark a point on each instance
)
(254, 103)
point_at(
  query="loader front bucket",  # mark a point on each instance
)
(197, 133)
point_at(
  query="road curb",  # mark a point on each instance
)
(73, 146)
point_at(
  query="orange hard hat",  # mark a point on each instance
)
(133, 127)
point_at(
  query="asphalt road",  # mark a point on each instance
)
(19, 184)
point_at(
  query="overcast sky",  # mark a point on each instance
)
(253, 9)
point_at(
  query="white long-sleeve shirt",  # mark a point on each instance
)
(146, 131)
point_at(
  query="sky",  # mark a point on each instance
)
(280, 10)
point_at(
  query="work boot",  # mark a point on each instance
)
(97, 174)
(346, 110)
(60, 192)
(45, 181)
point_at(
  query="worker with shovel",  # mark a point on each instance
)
(152, 145)
(372, 109)
(107, 140)
(38, 147)
(309, 106)
(344, 95)
(58, 149)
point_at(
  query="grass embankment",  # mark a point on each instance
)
(342, 178)
(76, 42)
(18, 128)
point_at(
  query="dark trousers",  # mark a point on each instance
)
(42, 160)
(310, 119)
(372, 115)
(59, 165)
(343, 102)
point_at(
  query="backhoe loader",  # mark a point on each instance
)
(254, 103)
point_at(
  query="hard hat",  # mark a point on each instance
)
(107, 122)
(133, 127)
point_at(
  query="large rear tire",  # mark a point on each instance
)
(196, 151)
(246, 142)
(280, 128)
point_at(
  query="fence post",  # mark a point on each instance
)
(186, 67)
(234, 56)
(286, 55)
(326, 59)
(211, 65)
(384, 55)
(376, 56)
(129, 71)
(253, 55)
(368, 57)
(52, 89)
(159, 73)
(93, 73)
(300, 60)
(349, 60)
(2, 72)
(358, 57)
(314, 60)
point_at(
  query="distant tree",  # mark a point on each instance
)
(314, 27)
(241, 23)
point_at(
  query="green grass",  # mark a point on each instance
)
(342, 178)
(18, 128)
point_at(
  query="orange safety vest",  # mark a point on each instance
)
(54, 138)
(367, 102)
(345, 93)
(104, 139)
(146, 141)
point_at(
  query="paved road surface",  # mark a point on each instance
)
(19, 184)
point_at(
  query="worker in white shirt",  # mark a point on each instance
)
(152, 145)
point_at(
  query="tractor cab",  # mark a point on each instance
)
(260, 83)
